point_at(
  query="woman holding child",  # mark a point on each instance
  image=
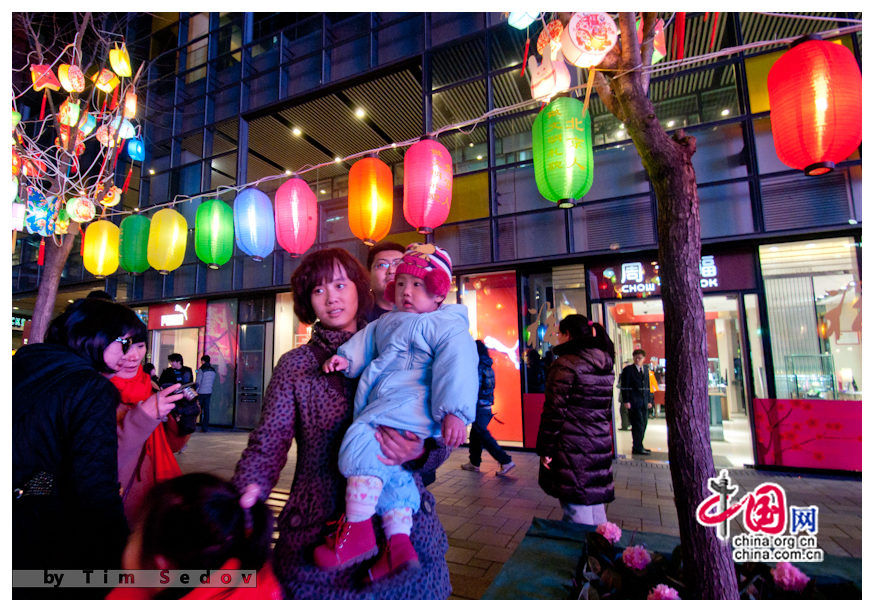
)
(331, 291)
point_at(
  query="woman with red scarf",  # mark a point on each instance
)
(144, 455)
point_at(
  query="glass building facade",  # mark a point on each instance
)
(237, 97)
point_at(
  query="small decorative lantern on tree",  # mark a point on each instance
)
(214, 233)
(297, 216)
(100, 248)
(815, 90)
(168, 235)
(254, 227)
(562, 149)
(588, 38)
(133, 245)
(427, 185)
(370, 199)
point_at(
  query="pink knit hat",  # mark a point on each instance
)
(428, 262)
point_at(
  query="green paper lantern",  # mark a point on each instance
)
(562, 147)
(214, 233)
(133, 243)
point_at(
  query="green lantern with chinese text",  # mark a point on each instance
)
(214, 233)
(133, 243)
(562, 147)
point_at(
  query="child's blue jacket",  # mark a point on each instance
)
(415, 368)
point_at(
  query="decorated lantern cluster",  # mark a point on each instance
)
(50, 187)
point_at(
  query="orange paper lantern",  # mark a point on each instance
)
(105, 80)
(71, 77)
(815, 91)
(43, 77)
(370, 200)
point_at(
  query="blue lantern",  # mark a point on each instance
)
(541, 332)
(136, 150)
(254, 228)
(39, 217)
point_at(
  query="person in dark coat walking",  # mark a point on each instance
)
(303, 404)
(575, 441)
(67, 511)
(480, 436)
(186, 411)
(637, 399)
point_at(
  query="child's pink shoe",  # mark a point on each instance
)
(398, 555)
(350, 544)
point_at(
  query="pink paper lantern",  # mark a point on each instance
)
(427, 185)
(297, 216)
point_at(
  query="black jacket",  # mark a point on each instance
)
(63, 424)
(634, 386)
(576, 426)
(486, 382)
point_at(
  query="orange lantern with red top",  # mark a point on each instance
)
(815, 91)
(370, 199)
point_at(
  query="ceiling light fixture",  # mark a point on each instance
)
(151, 171)
(295, 131)
(337, 159)
(671, 123)
(322, 191)
(359, 112)
(479, 156)
(725, 112)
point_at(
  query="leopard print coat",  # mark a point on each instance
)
(314, 408)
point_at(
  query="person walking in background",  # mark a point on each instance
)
(382, 261)
(535, 372)
(206, 376)
(575, 441)
(149, 370)
(480, 437)
(185, 413)
(637, 399)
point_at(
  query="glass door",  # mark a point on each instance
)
(639, 324)
(250, 375)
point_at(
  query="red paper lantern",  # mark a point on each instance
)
(297, 216)
(427, 185)
(815, 91)
(370, 200)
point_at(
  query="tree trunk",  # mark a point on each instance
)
(50, 277)
(708, 568)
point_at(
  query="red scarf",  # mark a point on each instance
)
(136, 389)
(267, 587)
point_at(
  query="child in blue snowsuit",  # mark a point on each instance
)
(418, 368)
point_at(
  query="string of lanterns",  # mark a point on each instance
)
(562, 156)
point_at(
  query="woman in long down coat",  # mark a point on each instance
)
(331, 289)
(575, 441)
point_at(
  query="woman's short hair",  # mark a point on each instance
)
(195, 521)
(317, 268)
(587, 333)
(88, 326)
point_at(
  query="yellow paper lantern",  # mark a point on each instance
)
(71, 78)
(100, 248)
(120, 61)
(168, 235)
(105, 80)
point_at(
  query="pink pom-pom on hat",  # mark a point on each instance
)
(428, 262)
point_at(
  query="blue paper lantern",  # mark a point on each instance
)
(522, 19)
(39, 217)
(254, 228)
(135, 149)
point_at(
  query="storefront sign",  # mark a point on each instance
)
(178, 314)
(19, 322)
(640, 278)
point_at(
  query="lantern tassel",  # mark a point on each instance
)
(681, 34)
(713, 31)
(127, 178)
(82, 242)
(525, 56)
(114, 99)
(41, 258)
(589, 83)
(42, 109)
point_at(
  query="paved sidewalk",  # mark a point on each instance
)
(486, 517)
